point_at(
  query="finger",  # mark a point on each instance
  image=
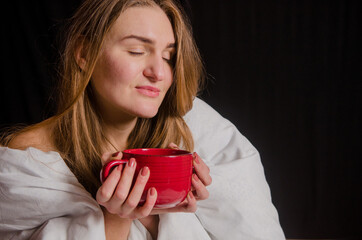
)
(106, 157)
(137, 190)
(123, 188)
(116, 155)
(188, 205)
(192, 205)
(200, 189)
(105, 192)
(173, 146)
(147, 207)
(202, 170)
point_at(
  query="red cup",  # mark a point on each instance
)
(170, 173)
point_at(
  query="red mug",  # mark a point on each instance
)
(170, 173)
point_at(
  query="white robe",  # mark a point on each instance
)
(40, 198)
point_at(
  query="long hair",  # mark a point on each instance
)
(77, 133)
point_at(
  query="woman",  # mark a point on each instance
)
(131, 72)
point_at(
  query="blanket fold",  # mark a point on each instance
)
(40, 198)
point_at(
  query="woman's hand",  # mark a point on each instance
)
(116, 194)
(200, 179)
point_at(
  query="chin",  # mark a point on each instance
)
(147, 112)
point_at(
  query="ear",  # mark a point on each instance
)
(80, 52)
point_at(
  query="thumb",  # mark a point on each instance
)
(108, 156)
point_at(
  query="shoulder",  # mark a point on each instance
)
(204, 114)
(37, 136)
(204, 121)
(213, 133)
(200, 105)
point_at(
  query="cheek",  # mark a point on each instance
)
(114, 70)
(113, 67)
(169, 78)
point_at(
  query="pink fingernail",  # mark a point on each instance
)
(195, 177)
(131, 162)
(152, 191)
(144, 171)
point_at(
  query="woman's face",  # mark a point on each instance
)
(134, 71)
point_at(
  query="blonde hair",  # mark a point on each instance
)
(77, 133)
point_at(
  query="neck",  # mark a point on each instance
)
(118, 133)
(117, 126)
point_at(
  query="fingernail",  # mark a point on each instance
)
(195, 177)
(144, 171)
(115, 154)
(152, 191)
(172, 145)
(196, 158)
(131, 162)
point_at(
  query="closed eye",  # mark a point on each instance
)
(135, 53)
(169, 57)
(170, 61)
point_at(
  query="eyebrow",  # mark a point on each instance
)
(146, 40)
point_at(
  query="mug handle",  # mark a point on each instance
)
(108, 167)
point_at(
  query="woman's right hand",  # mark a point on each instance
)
(117, 195)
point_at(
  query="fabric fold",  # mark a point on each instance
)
(42, 199)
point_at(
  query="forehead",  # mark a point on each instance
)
(149, 22)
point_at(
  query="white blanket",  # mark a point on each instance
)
(40, 198)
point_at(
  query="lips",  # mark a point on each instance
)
(148, 91)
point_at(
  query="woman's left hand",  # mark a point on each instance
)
(200, 180)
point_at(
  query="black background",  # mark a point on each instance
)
(286, 73)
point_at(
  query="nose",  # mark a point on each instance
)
(155, 68)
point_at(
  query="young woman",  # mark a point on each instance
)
(130, 75)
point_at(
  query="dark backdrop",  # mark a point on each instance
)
(286, 73)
